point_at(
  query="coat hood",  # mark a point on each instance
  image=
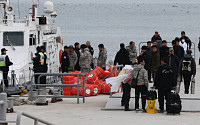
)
(188, 57)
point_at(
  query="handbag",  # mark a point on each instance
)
(134, 81)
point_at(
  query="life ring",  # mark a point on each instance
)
(60, 55)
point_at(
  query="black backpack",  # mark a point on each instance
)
(186, 65)
(173, 104)
(151, 95)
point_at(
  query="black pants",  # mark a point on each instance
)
(64, 70)
(149, 75)
(154, 75)
(187, 79)
(162, 96)
(126, 94)
(5, 78)
(143, 91)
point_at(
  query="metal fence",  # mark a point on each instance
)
(58, 85)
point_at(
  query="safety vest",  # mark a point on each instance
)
(46, 58)
(42, 58)
(2, 60)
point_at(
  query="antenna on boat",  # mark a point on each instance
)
(18, 9)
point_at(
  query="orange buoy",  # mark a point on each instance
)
(60, 55)
(67, 80)
(105, 88)
(94, 89)
(98, 71)
(88, 91)
(106, 74)
(115, 72)
(92, 79)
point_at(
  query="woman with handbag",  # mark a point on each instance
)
(140, 79)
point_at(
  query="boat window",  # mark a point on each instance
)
(32, 39)
(13, 38)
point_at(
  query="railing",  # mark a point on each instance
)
(59, 85)
(36, 120)
(193, 47)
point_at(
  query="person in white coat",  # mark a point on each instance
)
(184, 45)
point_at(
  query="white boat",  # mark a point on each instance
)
(21, 36)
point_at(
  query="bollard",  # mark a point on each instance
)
(3, 105)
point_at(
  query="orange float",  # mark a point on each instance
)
(98, 71)
(92, 79)
(115, 72)
(67, 80)
(105, 88)
(60, 55)
(88, 91)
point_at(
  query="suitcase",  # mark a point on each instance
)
(173, 104)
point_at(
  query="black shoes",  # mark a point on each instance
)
(161, 111)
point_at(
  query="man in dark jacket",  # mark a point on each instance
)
(77, 50)
(187, 40)
(91, 52)
(187, 68)
(155, 61)
(164, 50)
(173, 63)
(164, 82)
(156, 37)
(122, 56)
(36, 64)
(65, 60)
(4, 65)
(178, 50)
(149, 53)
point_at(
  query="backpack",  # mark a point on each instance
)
(186, 65)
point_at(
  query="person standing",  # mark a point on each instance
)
(36, 64)
(142, 84)
(77, 50)
(101, 61)
(44, 64)
(186, 39)
(184, 45)
(187, 68)
(122, 56)
(4, 65)
(164, 82)
(132, 52)
(65, 60)
(72, 58)
(178, 50)
(164, 50)
(149, 53)
(155, 61)
(91, 50)
(85, 59)
(156, 37)
(173, 62)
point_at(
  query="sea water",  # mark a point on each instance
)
(112, 22)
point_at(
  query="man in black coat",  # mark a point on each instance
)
(156, 37)
(149, 54)
(65, 60)
(91, 51)
(173, 63)
(164, 82)
(187, 68)
(36, 64)
(164, 50)
(4, 65)
(187, 40)
(77, 50)
(122, 56)
(178, 50)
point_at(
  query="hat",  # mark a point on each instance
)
(171, 49)
(182, 32)
(71, 46)
(156, 32)
(3, 49)
(66, 47)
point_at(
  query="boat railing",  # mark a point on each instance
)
(58, 85)
(193, 47)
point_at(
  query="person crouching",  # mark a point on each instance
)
(142, 85)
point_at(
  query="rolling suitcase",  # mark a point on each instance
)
(193, 86)
(173, 104)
